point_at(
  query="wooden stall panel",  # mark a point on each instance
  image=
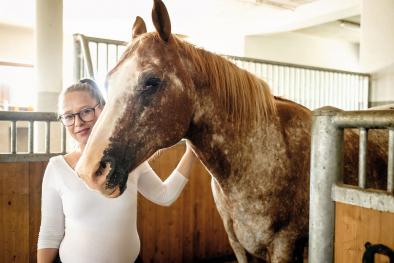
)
(14, 196)
(188, 230)
(191, 228)
(354, 226)
(20, 210)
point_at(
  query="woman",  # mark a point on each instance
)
(81, 225)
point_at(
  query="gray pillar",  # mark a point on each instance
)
(326, 169)
(376, 49)
(49, 65)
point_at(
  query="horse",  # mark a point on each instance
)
(255, 145)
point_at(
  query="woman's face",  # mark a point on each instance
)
(75, 102)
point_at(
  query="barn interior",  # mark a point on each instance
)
(315, 52)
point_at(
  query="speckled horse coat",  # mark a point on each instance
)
(256, 146)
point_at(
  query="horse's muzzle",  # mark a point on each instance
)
(114, 175)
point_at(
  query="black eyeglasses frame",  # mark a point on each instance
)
(78, 113)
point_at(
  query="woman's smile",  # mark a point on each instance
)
(83, 131)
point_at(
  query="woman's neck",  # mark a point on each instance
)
(81, 148)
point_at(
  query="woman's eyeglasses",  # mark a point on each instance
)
(85, 115)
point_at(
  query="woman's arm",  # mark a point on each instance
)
(151, 186)
(47, 255)
(186, 164)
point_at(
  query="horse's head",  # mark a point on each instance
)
(149, 107)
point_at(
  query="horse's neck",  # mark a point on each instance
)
(217, 141)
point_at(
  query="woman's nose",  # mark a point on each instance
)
(78, 121)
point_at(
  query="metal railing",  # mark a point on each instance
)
(31, 117)
(311, 87)
(326, 185)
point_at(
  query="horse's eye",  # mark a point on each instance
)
(154, 82)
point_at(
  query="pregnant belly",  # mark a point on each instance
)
(98, 246)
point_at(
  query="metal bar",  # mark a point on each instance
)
(15, 64)
(26, 157)
(390, 169)
(117, 53)
(363, 158)
(86, 53)
(368, 198)
(369, 119)
(106, 41)
(298, 66)
(13, 137)
(47, 136)
(31, 137)
(63, 146)
(326, 169)
(97, 58)
(367, 88)
(82, 67)
(27, 116)
(76, 60)
(353, 93)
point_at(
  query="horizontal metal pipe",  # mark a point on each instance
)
(294, 65)
(106, 41)
(363, 158)
(27, 116)
(390, 170)
(13, 136)
(367, 119)
(25, 157)
(31, 137)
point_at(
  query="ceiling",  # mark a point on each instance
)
(334, 30)
(114, 19)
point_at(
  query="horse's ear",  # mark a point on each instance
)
(161, 20)
(139, 27)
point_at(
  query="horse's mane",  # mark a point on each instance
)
(245, 96)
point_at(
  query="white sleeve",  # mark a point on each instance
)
(151, 186)
(52, 216)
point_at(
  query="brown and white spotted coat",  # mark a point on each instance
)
(259, 168)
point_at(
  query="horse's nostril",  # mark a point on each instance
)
(103, 169)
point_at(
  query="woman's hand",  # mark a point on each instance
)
(189, 150)
(186, 164)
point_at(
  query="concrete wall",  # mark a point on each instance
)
(16, 44)
(303, 49)
(377, 49)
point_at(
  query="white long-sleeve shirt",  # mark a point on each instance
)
(95, 228)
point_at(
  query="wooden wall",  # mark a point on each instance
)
(20, 210)
(354, 226)
(190, 229)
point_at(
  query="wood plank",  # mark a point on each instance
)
(3, 203)
(36, 174)
(354, 226)
(184, 231)
(16, 212)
